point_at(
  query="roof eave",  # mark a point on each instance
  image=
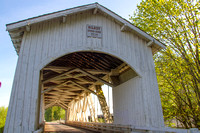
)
(130, 25)
(45, 17)
(38, 19)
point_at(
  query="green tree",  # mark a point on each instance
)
(54, 113)
(48, 114)
(176, 24)
(62, 114)
(3, 113)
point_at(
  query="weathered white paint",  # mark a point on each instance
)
(136, 101)
(17, 28)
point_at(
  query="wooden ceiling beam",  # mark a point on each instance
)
(59, 96)
(65, 92)
(62, 106)
(52, 100)
(57, 100)
(63, 96)
(51, 88)
(84, 88)
(94, 77)
(49, 105)
(57, 76)
(58, 68)
(71, 88)
(84, 92)
(60, 93)
(59, 103)
(78, 75)
(85, 81)
(79, 80)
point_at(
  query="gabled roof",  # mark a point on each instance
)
(17, 29)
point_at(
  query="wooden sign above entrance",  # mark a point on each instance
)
(94, 31)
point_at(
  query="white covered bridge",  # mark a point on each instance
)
(66, 56)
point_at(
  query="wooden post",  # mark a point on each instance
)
(66, 116)
(42, 109)
(42, 104)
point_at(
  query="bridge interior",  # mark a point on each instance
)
(52, 127)
(70, 80)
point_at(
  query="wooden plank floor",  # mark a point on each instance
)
(53, 127)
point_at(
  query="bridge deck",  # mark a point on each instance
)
(53, 127)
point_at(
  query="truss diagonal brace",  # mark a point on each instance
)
(150, 43)
(103, 103)
(84, 88)
(51, 88)
(95, 10)
(96, 78)
(61, 105)
(51, 104)
(123, 28)
(64, 104)
(62, 74)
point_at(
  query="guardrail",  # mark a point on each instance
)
(118, 128)
(101, 127)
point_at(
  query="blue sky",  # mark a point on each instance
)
(15, 10)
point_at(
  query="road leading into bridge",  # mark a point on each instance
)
(53, 127)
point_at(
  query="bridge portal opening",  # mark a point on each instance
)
(72, 81)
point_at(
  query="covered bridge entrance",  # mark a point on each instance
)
(66, 56)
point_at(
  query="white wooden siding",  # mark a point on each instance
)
(49, 40)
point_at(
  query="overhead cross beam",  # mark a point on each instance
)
(84, 88)
(66, 73)
(65, 91)
(62, 105)
(60, 96)
(51, 104)
(94, 77)
(57, 76)
(59, 68)
(88, 88)
(73, 82)
(51, 88)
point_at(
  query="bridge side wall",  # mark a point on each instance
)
(50, 40)
(137, 102)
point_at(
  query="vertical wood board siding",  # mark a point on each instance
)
(50, 40)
